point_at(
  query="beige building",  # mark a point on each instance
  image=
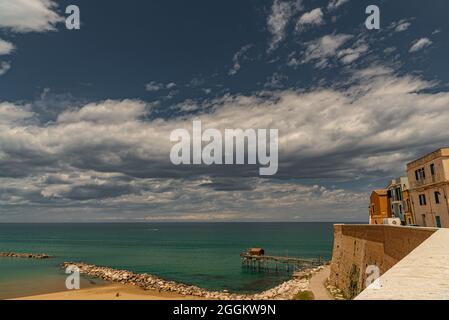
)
(399, 200)
(429, 183)
(409, 210)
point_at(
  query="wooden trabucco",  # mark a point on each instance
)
(267, 263)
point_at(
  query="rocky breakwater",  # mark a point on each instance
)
(285, 291)
(25, 255)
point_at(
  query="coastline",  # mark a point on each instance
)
(125, 285)
(112, 291)
(203, 254)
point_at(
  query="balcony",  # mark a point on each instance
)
(427, 181)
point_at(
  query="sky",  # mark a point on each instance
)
(86, 115)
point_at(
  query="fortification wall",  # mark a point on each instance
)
(358, 246)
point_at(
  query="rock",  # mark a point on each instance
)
(25, 255)
(286, 290)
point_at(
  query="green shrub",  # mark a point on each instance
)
(305, 295)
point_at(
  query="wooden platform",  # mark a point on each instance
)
(264, 262)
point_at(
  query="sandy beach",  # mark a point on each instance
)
(116, 291)
(110, 292)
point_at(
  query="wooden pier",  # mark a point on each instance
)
(262, 262)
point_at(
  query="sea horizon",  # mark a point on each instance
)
(180, 222)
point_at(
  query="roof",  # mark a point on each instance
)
(441, 152)
(381, 192)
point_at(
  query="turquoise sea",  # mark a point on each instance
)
(203, 254)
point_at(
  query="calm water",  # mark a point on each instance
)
(203, 254)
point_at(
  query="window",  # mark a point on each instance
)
(432, 169)
(398, 194)
(420, 174)
(424, 222)
(437, 197)
(422, 200)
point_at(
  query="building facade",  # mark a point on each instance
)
(429, 183)
(399, 200)
(409, 210)
(379, 208)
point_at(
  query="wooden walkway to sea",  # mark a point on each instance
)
(277, 263)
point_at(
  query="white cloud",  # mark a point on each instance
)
(238, 56)
(420, 44)
(402, 26)
(335, 4)
(6, 47)
(322, 49)
(4, 67)
(188, 105)
(107, 112)
(314, 17)
(281, 14)
(10, 113)
(28, 15)
(154, 86)
(350, 55)
(275, 81)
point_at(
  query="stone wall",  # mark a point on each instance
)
(421, 275)
(358, 246)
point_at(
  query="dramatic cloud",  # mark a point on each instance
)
(110, 155)
(6, 47)
(114, 135)
(281, 14)
(314, 17)
(28, 15)
(243, 199)
(343, 130)
(420, 44)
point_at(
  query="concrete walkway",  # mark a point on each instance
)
(317, 285)
(421, 275)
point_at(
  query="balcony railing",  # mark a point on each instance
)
(426, 181)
